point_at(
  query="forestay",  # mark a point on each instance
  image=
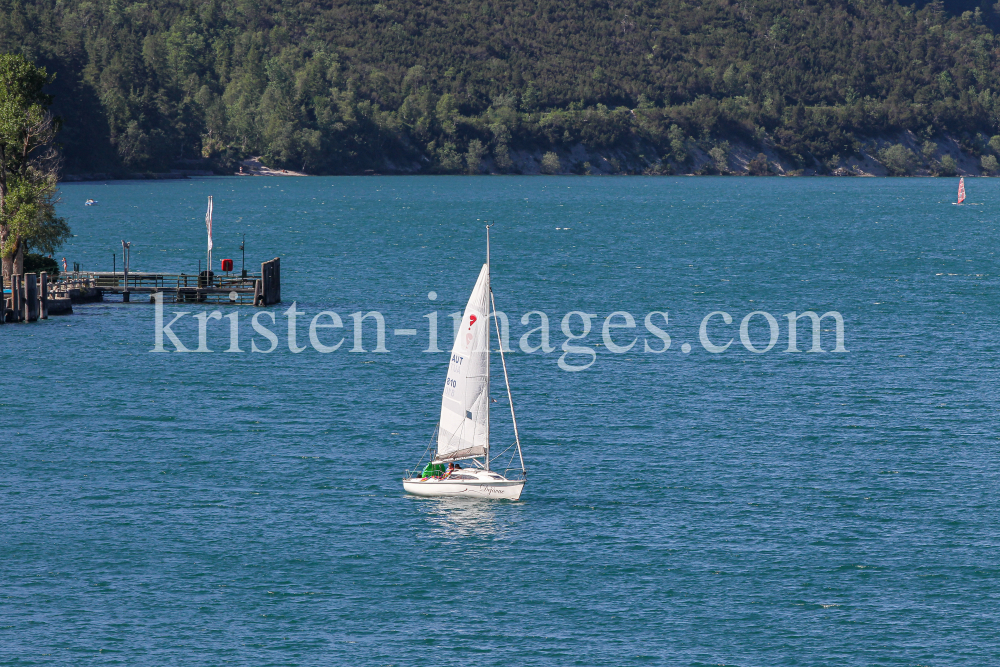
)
(464, 428)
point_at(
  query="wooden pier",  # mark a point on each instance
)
(31, 294)
(28, 300)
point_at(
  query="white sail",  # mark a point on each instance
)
(463, 431)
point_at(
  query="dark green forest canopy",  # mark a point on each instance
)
(345, 85)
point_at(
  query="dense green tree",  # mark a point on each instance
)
(898, 159)
(551, 163)
(759, 166)
(948, 166)
(474, 157)
(720, 156)
(28, 164)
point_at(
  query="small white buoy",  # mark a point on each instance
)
(233, 296)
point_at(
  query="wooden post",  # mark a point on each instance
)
(265, 283)
(31, 297)
(15, 295)
(43, 295)
(270, 283)
(277, 280)
(258, 297)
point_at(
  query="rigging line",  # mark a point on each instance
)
(429, 452)
(502, 453)
(506, 379)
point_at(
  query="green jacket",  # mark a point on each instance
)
(433, 470)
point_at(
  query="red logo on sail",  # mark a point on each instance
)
(472, 320)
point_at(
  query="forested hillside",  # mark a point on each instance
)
(344, 86)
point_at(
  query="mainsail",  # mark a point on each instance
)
(961, 190)
(463, 431)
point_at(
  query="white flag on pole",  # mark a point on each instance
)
(208, 223)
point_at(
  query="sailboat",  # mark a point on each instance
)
(961, 190)
(463, 432)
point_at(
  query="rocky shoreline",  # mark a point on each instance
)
(902, 154)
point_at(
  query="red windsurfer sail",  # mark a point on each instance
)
(961, 190)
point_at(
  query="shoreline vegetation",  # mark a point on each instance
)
(848, 87)
(879, 158)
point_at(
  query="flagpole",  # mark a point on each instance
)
(208, 224)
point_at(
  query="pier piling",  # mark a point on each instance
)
(15, 296)
(31, 297)
(43, 295)
(270, 278)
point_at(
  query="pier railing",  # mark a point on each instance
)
(136, 280)
(258, 289)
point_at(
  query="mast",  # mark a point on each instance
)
(489, 289)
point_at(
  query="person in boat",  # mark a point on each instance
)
(453, 467)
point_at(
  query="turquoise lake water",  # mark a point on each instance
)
(691, 508)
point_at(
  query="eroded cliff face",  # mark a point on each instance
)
(900, 154)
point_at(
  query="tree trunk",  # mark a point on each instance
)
(14, 265)
(8, 266)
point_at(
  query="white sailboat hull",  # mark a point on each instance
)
(481, 485)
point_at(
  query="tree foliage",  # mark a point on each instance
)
(550, 163)
(898, 159)
(948, 166)
(759, 166)
(28, 164)
(349, 85)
